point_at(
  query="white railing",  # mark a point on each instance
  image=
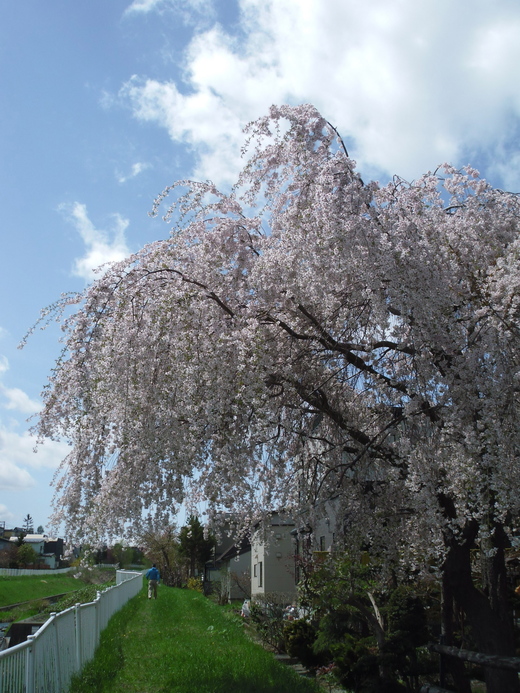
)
(16, 572)
(46, 662)
(124, 575)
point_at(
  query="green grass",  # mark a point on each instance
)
(25, 588)
(182, 643)
(81, 593)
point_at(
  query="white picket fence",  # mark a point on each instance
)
(17, 572)
(46, 662)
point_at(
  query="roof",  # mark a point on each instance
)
(33, 538)
(233, 551)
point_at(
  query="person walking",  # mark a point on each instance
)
(153, 577)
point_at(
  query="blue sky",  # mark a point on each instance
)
(105, 102)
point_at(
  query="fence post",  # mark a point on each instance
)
(98, 616)
(77, 633)
(29, 665)
(57, 674)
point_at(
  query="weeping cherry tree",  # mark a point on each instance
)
(306, 338)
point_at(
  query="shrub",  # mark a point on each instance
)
(195, 584)
(299, 637)
(267, 612)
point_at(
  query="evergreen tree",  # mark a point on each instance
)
(28, 524)
(195, 546)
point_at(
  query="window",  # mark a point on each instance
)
(260, 574)
(322, 543)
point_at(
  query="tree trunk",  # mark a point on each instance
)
(450, 665)
(488, 613)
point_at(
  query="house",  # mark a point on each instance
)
(273, 559)
(319, 533)
(235, 571)
(269, 564)
(15, 532)
(212, 567)
(228, 570)
(56, 547)
(280, 550)
(46, 548)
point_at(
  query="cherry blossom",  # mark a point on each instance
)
(307, 336)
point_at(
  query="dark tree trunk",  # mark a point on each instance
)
(450, 665)
(487, 611)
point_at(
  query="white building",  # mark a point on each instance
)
(38, 541)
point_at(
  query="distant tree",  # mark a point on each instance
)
(21, 539)
(162, 548)
(40, 529)
(127, 556)
(8, 557)
(26, 555)
(194, 546)
(102, 555)
(116, 552)
(28, 524)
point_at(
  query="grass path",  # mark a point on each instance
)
(182, 643)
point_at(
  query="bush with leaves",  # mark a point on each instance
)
(373, 630)
(299, 637)
(267, 616)
(26, 555)
(195, 584)
(407, 633)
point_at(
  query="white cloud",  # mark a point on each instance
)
(17, 399)
(188, 120)
(187, 8)
(101, 246)
(20, 401)
(136, 169)
(144, 5)
(408, 84)
(12, 477)
(18, 459)
(4, 364)
(6, 515)
(18, 451)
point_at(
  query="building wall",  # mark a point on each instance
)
(50, 560)
(36, 543)
(56, 547)
(43, 548)
(257, 567)
(324, 535)
(238, 575)
(272, 561)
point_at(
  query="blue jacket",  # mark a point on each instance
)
(152, 574)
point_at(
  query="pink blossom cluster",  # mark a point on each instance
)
(306, 337)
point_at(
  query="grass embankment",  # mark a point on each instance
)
(80, 590)
(181, 643)
(28, 587)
